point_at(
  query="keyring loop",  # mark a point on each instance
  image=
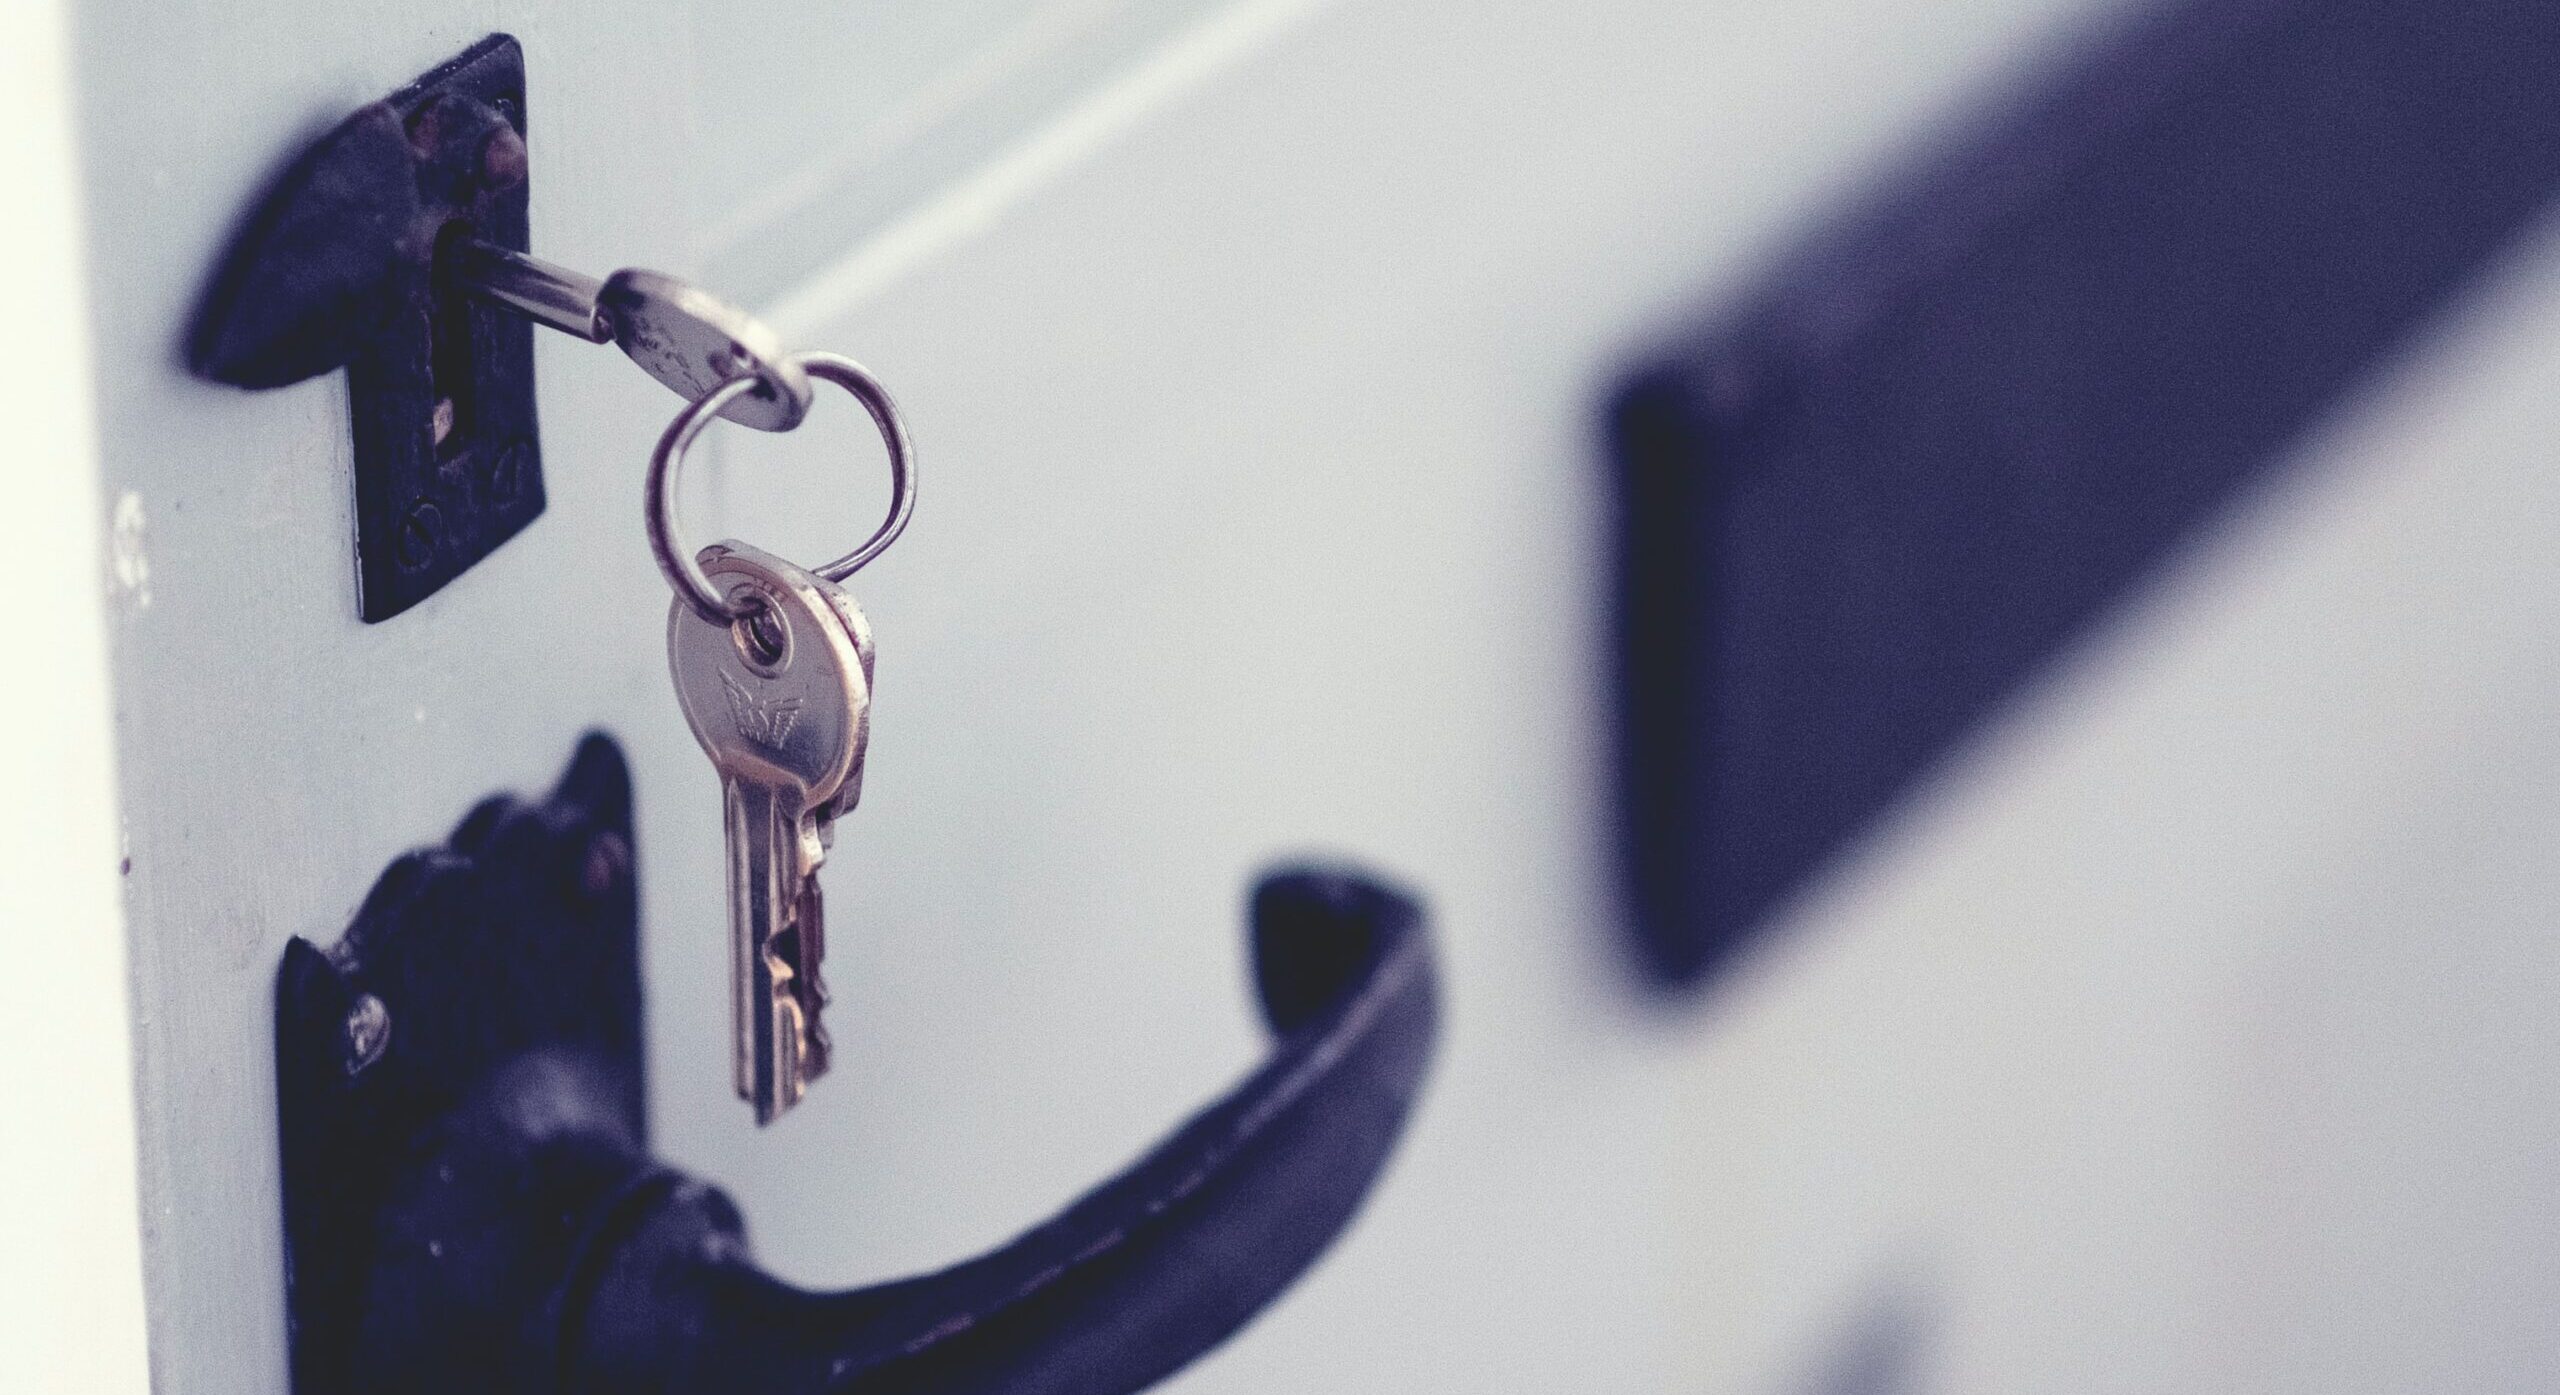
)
(676, 561)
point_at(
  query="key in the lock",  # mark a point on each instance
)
(682, 335)
(781, 704)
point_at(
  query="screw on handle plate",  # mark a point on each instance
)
(678, 333)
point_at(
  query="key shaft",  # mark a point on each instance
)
(774, 903)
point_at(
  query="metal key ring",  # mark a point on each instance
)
(677, 561)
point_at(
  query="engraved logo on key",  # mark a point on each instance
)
(765, 721)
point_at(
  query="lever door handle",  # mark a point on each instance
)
(1144, 1273)
(470, 1203)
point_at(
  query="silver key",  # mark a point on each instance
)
(682, 335)
(781, 703)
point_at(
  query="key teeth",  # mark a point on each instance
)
(817, 1047)
(808, 984)
(790, 1079)
(800, 1047)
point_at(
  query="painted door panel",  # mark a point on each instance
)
(1255, 364)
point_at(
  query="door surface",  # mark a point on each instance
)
(1254, 350)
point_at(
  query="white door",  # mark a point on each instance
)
(1254, 350)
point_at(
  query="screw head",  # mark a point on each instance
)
(368, 1032)
(502, 159)
(507, 470)
(606, 865)
(421, 532)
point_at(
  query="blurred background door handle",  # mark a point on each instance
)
(470, 1203)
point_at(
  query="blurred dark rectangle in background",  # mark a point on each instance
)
(1861, 508)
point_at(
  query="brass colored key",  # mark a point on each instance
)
(780, 701)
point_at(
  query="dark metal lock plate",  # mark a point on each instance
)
(336, 268)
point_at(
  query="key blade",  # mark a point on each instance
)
(773, 904)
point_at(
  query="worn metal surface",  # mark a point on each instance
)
(336, 269)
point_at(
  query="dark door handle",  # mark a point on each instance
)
(470, 1203)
